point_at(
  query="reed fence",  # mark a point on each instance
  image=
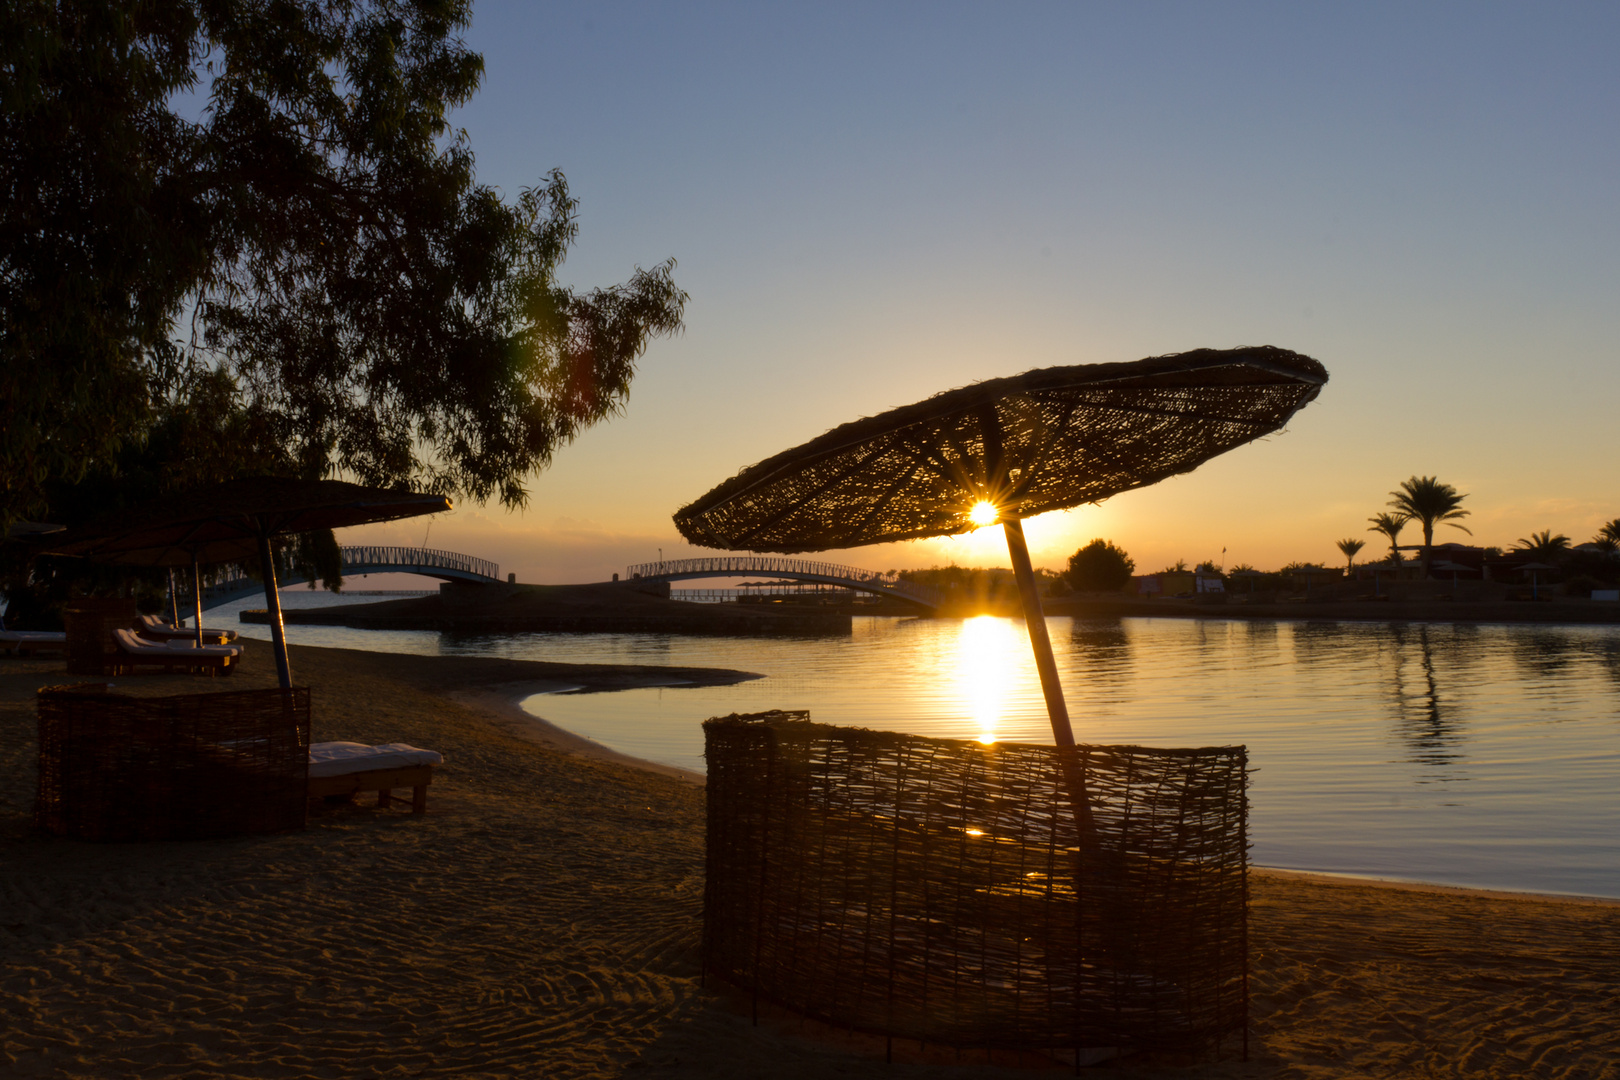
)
(941, 891)
(180, 767)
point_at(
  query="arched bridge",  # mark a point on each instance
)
(371, 559)
(850, 577)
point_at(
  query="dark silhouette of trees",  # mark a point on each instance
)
(1543, 546)
(1349, 547)
(1608, 536)
(1427, 501)
(1100, 566)
(384, 315)
(1390, 525)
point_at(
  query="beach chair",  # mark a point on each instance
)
(29, 642)
(338, 769)
(135, 653)
(155, 629)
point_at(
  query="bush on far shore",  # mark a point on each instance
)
(1100, 566)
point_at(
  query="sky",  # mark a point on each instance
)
(870, 203)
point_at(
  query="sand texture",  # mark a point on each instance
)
(543, 920)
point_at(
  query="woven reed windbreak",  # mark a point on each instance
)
(182, 767)
(90, 622)
(937, 889)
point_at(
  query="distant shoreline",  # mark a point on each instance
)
(1558, 610)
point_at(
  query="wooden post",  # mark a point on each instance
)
(1039, 641)
(272, 599)
(196, 596)
(1051, 686)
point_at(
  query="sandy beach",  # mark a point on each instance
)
(542, 919)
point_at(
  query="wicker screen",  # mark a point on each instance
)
(188, 766)
(90, 622)
(937, 890)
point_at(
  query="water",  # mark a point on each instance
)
(1469, 755)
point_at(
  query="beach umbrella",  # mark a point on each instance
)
(1534, 569)
(1250, 574)
(1446, 564)
(235, 522)
(32, 531)
(999, 451)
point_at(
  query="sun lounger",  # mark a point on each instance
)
(134, 652)
(150, 626)
(344, 768)
(27, 642)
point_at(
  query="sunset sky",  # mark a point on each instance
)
(873, 203)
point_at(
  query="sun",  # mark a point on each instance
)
(984, 513)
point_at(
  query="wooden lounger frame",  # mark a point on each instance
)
(382, 781)
(126, 663)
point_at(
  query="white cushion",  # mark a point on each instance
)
(131, 643)
(343, 758)
(190, 645)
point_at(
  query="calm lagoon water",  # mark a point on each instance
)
(1485, 756)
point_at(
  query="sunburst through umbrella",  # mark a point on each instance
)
(1004, 450)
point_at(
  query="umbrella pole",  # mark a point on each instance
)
(174, 600)
(1056, 708)
(196, 594)
(272, 600)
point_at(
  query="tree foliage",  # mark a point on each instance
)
(383, 314)
(1349, 547)
(1390, 525)
(1100, 566)
(1427, 501)
(1608, 536)
(197, 436)
(1543, 546)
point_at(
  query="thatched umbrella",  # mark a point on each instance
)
(1250, 574)
(1003, 450)
(235, 522)
(1535, 570)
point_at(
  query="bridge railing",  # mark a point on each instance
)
(818, 591)
(724, 565)
(373, 555)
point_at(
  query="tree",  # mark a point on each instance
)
(1100, 567)
(1390, 525)
(1543, 546)
(1427, 501)
(386, 316)
(202, 413)
(1350, 546)
(1608, 536)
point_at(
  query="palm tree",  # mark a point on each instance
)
(1543, 546)
(1608, 537)
(1428, 501)
(1390, 525)
(1350, 545)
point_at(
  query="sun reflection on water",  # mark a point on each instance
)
(986, 661)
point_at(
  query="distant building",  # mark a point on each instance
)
(1167, 583)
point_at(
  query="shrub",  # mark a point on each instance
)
(1100, 567)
